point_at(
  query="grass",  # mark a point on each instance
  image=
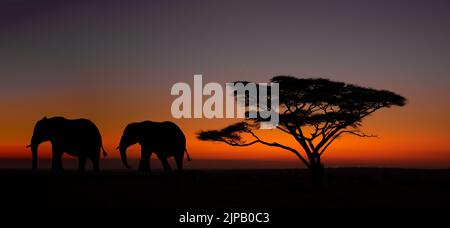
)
(343, 187)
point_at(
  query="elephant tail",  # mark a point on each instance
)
(104, 152)
(188, 157)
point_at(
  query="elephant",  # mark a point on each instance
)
(165, 139)
(79, 138)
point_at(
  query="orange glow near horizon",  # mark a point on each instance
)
(399, 142)
(407, 136)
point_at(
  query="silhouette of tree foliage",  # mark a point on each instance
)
(315, 112)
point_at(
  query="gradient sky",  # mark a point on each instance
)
(114, 62)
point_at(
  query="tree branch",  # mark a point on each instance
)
(301, 139)
(275, 144)
(283, 130)
(343, 132)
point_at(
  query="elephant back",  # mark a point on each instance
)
(165, 134)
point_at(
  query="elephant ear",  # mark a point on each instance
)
(134, 127)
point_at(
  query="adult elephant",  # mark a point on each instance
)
(165, 139)
(79, 138)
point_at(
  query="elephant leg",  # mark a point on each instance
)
(144, 164)
(165, 164)
(179, 161)
(81, 163)
(57, 159)
(96, 163)
(95, 159)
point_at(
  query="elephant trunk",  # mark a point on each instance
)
(34, 149)
(123, 156)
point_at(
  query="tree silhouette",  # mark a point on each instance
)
(315, 112)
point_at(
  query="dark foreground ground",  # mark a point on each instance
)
(358, 187)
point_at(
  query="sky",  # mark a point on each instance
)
(114, 62)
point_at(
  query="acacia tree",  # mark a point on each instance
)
(315, 112)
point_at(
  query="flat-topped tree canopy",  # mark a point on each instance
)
(315, 112)
(315, 101)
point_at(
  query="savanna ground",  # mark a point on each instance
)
(197, 189)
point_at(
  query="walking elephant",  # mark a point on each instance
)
(79, 138)
(165, 139)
